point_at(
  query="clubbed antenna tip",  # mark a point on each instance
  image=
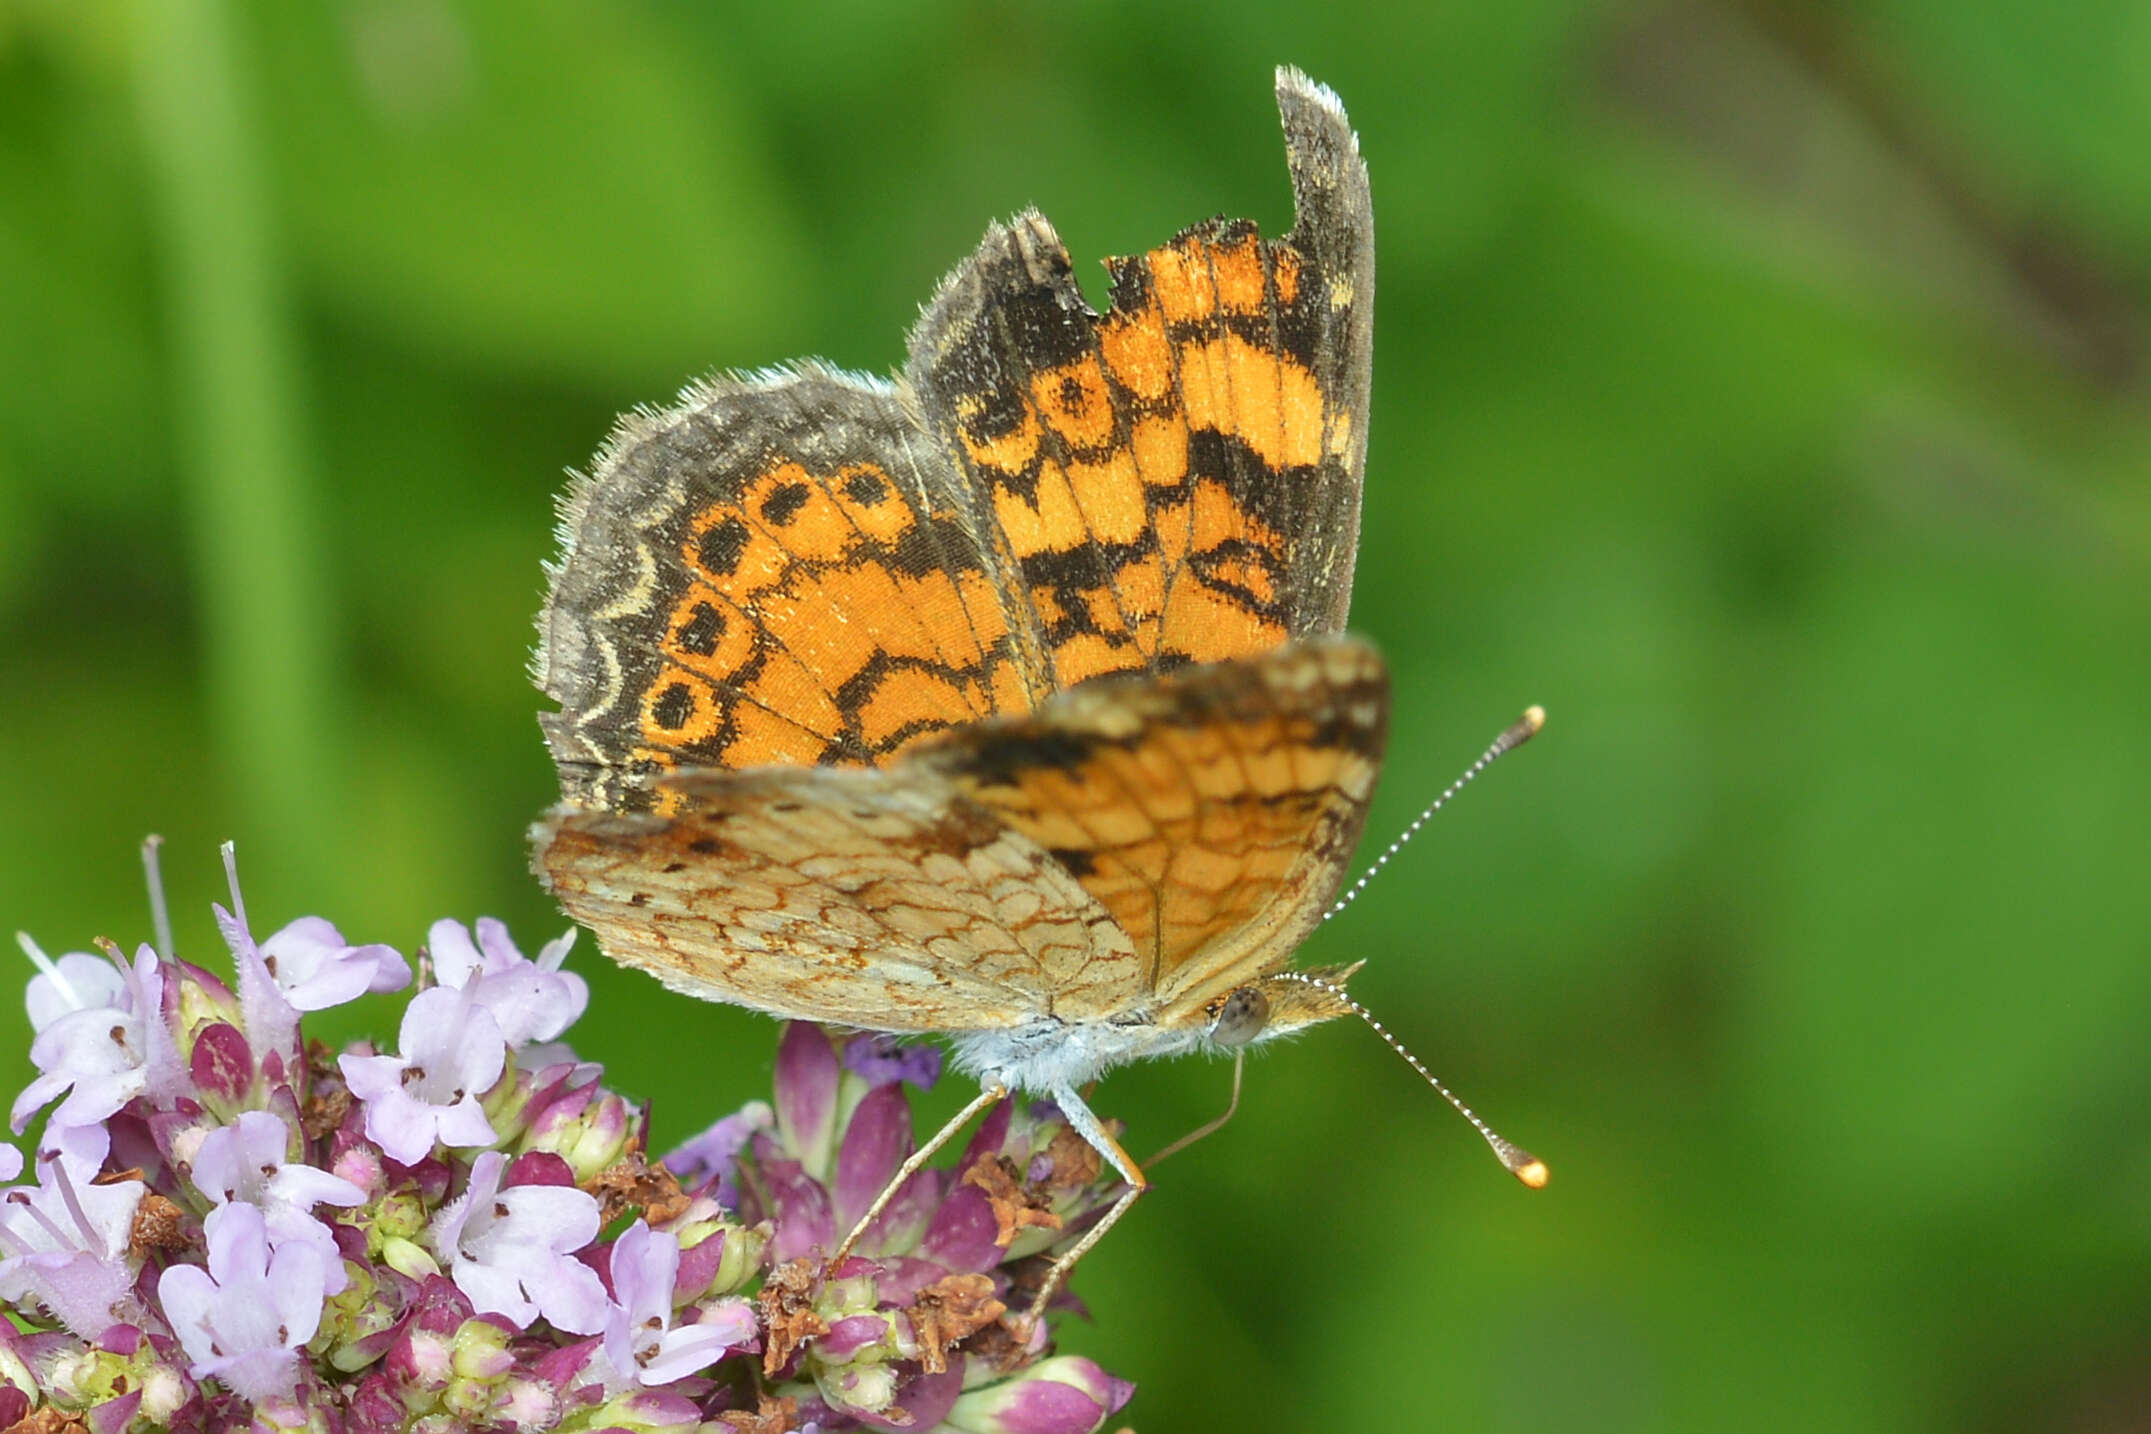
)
(1519, 1162)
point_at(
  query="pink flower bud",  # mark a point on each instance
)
(1065, 1395)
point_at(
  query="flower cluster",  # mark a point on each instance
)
(226, 1226)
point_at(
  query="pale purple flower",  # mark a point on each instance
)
(246, 1161)
(716, 1151)
(77, 981)
(64, 1244)
(452, 1054)
(316, 968)
(84, 1147)
(102, 1055)
(506, 1305)
(880, 1059)
(640, 1339)
(512, 1251)
(533, 1000)
(245, 1319)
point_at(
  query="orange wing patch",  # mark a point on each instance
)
(806, 572)
(1203, 810)
(819, 579)
(810, 568)
(1164, 471)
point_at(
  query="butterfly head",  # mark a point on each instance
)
(1279, 1004)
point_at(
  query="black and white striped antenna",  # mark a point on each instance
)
(1518, 1161)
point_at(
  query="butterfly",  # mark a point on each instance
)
(1008, 699)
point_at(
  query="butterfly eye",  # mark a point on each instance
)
(1240, 1017)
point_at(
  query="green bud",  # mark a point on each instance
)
(407, 1257)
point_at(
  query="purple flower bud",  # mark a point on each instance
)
(540, 1167)
(807, 1074)
(701, 1262)
(876, 1140)
(565, 1366)
(964, 1235)
(586, 1126)
(115, 1415)
(376, 1408)
(351, 1158)
(797, 1204)
(423, 1355)
(739, 1249)
(221, 1064)
(849, 1335)
(194, 997)
(1064, 1395)
(734, 1318)
(925, 1397)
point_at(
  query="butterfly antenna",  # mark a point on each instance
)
(1522, 730)
(1519, 1162)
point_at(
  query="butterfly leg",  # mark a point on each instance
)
(1208, 1127)
(1087, 1125)
(916, 1163)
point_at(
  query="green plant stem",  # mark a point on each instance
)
(257, 570)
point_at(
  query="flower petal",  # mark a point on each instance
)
(807, 1073)
(77, 981)
(876, 1140)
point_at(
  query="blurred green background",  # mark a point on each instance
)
(1761, 387)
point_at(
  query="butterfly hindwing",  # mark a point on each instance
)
(1131, 848)
(1211, 811)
